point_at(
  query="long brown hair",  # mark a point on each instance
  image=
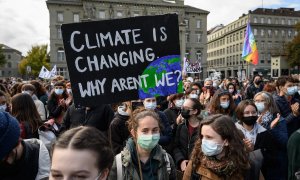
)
(24, 110)
(235, 151)
(215, 107)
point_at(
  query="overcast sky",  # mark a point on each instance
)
(24, 23)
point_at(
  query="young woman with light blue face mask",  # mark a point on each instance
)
(142, 157)
(219, 153)
(222, 103)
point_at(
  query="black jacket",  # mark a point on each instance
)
(26, 167)
(252, 90)
(184, 144)
(118, 133)
(98, 117)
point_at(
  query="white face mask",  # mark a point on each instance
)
(121, 111)
(224, 105)
(27, 92)
(3, 108)
(150, 105)
(69, 91)
(260, 106)
(193, 96)
(179, 103)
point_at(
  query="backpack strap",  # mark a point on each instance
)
(119, 167)
(168, 164)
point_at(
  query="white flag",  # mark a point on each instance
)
(44, 73)
(52, 72)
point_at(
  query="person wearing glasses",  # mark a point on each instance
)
(187, 132)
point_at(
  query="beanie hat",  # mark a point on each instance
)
(9, 133)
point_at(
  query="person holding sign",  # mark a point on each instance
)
(143, 158)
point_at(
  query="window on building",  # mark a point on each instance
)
(283, 33)
(233, 49)
(198, 37)
(262, 44)
(295, 21)
(76, 17)
(282, 21)
(270, 44)
(187, 54)
(62, 71)
(199, 55)
(289, 33)
(186, 22)
(119, 14)
(296, 33)
(187, 37)
(60, 17)
(262, 20)
(241, 34)
(276, 32)
(255, 32)
(9, 65)
(289, 22)
(269, 33)
(233, 37)
(241, 46)
(255, 19)
(60, 54)
(262, 61)
(59, 35)
(102, 14)
(262, 32)
(276, 21)
(269, 21)
(8, 56)
(198, 24)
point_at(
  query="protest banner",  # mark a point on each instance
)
(192, 67)
(123, 59)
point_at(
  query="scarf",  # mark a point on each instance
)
(266, 120)
(221, 167)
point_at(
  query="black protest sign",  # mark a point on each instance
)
(123, 59)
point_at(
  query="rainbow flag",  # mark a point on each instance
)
(250, 53)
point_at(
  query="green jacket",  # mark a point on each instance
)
(131, 171)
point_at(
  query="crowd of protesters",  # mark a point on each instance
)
(216, 129)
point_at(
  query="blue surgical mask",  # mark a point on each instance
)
(260, 106)
(69, 91)
(3, 108)
(291, 91)
(211, 148)
(224, 105)
(59, 91)
(150, 105)
(148, 142)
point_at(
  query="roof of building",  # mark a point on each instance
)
(196, 10)
(6, 48)
(276, 12)
(216, 28)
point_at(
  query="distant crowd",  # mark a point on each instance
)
(217, 129)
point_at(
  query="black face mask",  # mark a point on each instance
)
(250, 120)
(258, 82)
(185, 113)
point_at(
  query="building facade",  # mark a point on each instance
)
(192, 23)
(13, 58)
(272, 29)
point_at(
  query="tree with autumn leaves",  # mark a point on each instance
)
(293, 49)
(36, 58)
